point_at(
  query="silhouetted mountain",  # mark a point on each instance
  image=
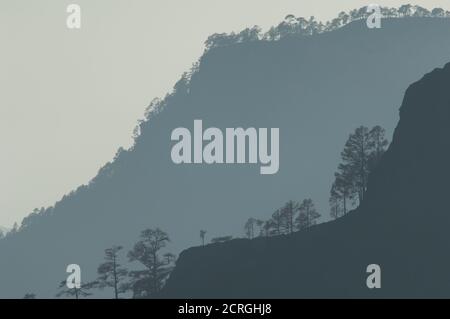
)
(403, 226)
(315, 89)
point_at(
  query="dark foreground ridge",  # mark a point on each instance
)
(403, 225)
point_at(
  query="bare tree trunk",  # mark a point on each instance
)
(345, 205)
(116, 294)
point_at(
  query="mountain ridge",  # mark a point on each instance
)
(289, 83)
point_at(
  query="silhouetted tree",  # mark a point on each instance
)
(438, 12)
(155, 106)
(75, 292)
(287, 27)
(148, 282)
(288, 215)
(276, 222)
(405, 10)
(356, 156)
(260, 224)
(388, 12)
(343, 188)
(32, 218)
(421, 12)
(393, 13)
(29, 296)
(268, 228)
(2, 235)
(344, 17)
(362, 153)
(272, 34)
(14, 230)
(335, 205)
(220, 40)
(302, 25)
(354, 15)
(111, 273)
(307, 214)
(378, 145)
(338, 201)
(362, 12)
(249, 34)
(202, 236)
(250, 227)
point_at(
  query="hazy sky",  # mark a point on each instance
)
(70, 98)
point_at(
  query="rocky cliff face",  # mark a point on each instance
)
(403, 225)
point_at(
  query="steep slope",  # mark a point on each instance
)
(316, 90)
(403, 226)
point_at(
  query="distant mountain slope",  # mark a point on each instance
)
(4, 230)
(315, 89)
(403, 226)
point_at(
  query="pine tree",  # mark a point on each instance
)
(111, 273)
(362, 153)
(276, 223)
(76, 293)
(149, 281)
(250, 228)
(202, 236)
(288, 213)
(308, 215)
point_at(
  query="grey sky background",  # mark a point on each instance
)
(70, 98)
